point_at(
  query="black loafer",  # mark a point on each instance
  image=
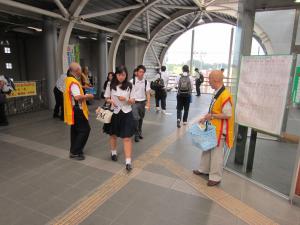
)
(114, 158)
(128, 167)
(137, 139)
(73, 155)
(80, 157)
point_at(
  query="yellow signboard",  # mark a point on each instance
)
(24, 89)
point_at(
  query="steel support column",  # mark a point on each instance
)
(50, 39)
(102, 61)
(230, 54)
(65, 34)
(192, 52)
(243, 43)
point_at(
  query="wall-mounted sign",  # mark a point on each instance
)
(296, 87)
(73, 55)
(24, 89)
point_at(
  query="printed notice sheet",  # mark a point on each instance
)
(262, 92)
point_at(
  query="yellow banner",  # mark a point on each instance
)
(24, 89)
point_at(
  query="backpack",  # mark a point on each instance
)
(184, 85)
(201, 78)
(157, 84)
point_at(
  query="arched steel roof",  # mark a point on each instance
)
(156, 23)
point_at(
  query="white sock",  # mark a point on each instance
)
(114, 152)
(128, 161)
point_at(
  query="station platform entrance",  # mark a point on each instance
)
(39, 184)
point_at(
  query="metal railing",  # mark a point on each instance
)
(205, 88)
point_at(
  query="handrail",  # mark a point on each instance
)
(229, 82)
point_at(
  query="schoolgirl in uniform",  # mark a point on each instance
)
(118, 95)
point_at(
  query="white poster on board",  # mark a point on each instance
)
(262, 92)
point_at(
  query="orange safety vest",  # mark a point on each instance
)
(68, 106)
(217, 108)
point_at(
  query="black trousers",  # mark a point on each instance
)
(59, 103)
(198, 84)
(80, 132)
(138, 110)
(183, 102)
(161, 96)
(3, 118)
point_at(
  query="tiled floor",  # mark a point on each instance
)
(38, 182)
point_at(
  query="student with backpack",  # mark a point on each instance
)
(199, 81)
(141, 94)
(160, 87)
(184, 95)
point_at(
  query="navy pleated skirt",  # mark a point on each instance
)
(122, 125)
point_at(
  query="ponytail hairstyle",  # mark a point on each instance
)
(125, 84)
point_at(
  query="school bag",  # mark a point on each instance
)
(201, 78)
(157, 84)
(184, 85)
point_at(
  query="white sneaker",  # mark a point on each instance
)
(164, 112)
(157, 109)
(185, 123)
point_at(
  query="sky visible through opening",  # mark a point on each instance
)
(211, 48)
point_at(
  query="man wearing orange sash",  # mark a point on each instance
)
(76, 112)
(221, 115)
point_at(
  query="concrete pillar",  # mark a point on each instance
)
(102, 62)
(244, 33)
(192, 52)
(243, 43)
(133, 56)
(50, 46)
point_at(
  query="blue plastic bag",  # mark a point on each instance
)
(91, 90)
(204, 139)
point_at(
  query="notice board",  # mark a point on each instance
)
(263, 92)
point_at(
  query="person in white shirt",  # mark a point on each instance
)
(59, 97)
(161, 94)
(184, 85)
(221, 116)
(3, 118)
(118, 95)
(199, 80)
(141, 95)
